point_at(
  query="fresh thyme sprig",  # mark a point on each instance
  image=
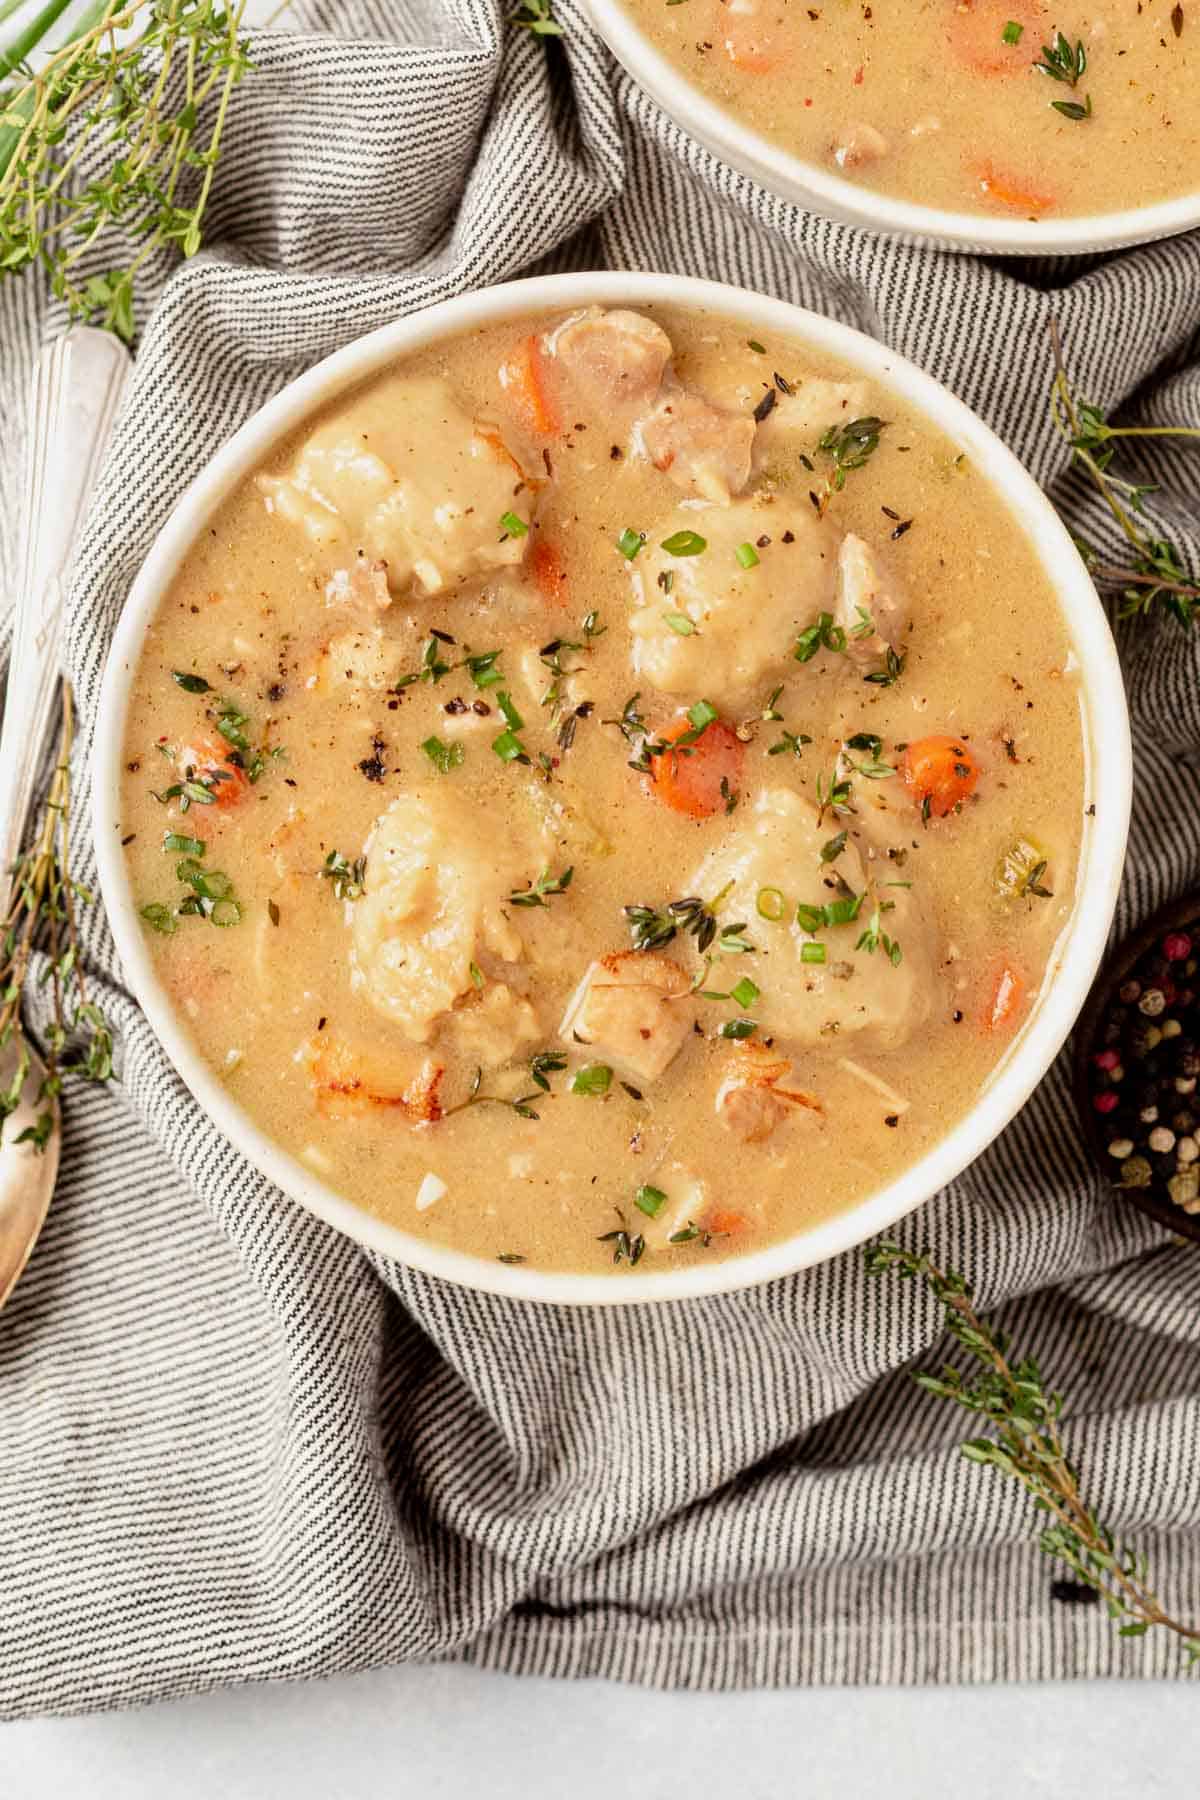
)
(1027, 1446)
(651, 927)
(348, 879)
(1068, 65)
(850, 446)
(541, 1065)
(42, 916)
(104, 131)
(1155, 574)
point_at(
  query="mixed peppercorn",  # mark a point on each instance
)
(1145, 1071)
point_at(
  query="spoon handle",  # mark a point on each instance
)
(77, 386)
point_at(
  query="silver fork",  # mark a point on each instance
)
(77, 387)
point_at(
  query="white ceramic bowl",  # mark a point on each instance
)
(823, 191)
(1109, 775)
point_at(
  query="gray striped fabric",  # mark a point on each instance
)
(232, 1447)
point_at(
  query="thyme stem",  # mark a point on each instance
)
(1028, 1447)
(42, 909)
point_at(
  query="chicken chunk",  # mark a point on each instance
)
(744, 621)
(702, 448)
(630, 1006)
(808, 412)
(363, 581)
(360, 657)
(751, 1100)
(436, 884)
(858, 991)
(869, 607)
(495, 1030)
(347, 1084)
(616, 359)
(419, 493)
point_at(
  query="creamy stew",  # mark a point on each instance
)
(607, 790)
(1008, 107)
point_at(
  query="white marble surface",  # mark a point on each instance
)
(459, 1734)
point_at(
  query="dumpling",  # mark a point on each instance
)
(707, 626)
(436, 884)
(857, 991)
(412, 484)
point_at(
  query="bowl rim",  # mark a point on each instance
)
(1107, 754)
(808, 185)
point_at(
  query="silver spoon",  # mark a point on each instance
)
(77, 386)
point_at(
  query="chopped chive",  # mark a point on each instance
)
(160, 917)
(513, 524)
(812, 953)
(512, 717)
(482, 669)
(186, 846)
(744, 992)
(593, 1078)
(684, 543)
(747, 555)
(810, 918)
(444, 757)
(509, 748)
(476, 974)
(1012, 33)
(753, 344)
(771, 904)
(630, 542)
(703, 713)
(679, 623)
(738, 1029)
(225, 912)
(650, 1200)
(191, 684)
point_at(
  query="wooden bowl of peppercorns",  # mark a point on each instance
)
(1137, 1068)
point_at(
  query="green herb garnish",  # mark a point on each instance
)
(650, 1200)
(538, 892)
(348, 879)
(1026, 1445)
(443, 756)
(593, 1078)
(684, 543)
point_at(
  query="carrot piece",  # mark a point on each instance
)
(1016, 196)
(499, 449)
(523, 378)
(976, 32)
(1005, 1000)
(726, 1224)
(700, 778)
(549, 573)
(208, 762)
(941, 773)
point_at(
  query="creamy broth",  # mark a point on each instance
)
(406, 862)
(940, 102)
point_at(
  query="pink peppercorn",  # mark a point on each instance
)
(1107, 1102)
(1106, 1059)
(1176, 946)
